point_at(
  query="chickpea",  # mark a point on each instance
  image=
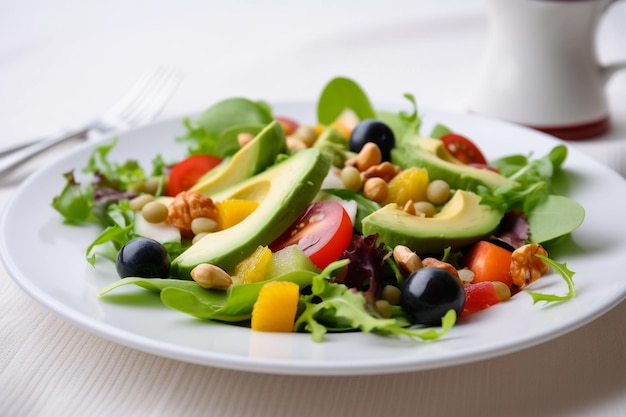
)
(137, 203)
(351, 178)
(438, 192)
(154, 212)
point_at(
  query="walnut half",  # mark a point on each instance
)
(189, 205)
(525, 266)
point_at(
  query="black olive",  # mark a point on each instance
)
(143, 257)
(429, 293)
(371, 130)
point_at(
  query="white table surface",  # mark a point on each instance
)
(63, 62)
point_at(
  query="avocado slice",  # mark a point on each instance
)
(251, 159)
(462, 221)
(432, 154)
(335, 144)
(283, 192)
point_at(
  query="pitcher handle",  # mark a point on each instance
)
(607, 71)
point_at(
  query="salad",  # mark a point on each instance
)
(361, 222)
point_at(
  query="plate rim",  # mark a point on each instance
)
(268, 365)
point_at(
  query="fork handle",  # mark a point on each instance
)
(13, 160)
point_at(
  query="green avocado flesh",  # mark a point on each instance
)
(251, 159)
(461, 222)
(283, 192)
(432, 154)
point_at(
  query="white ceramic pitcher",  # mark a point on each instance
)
(540, 68)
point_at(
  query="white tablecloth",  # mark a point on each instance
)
(62, 62)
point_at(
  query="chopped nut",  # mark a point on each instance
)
(385, 170)
(466, 275)
(409, 207)
(436, 263)
(425, 207)
(198, 237)
(211, 277)
(187, 206)
(296, 144)
(406, 259)
(244, 138)
(203, 225)
(306, 134)
(525, 266)
(375, 189)
(368, 156)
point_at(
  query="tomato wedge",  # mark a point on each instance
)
(323, 233)
(489, 262)
(188, 171)
(463, 149)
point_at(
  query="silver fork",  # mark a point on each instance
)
(142, 103)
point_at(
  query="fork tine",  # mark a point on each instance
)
(136, 90)
(141, 94)
(152, 101)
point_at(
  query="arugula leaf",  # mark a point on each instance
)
(403, 124)
(341, 94)
(342, 309)
(567, 275)
(74, 203)
(113, 237)
(115, 175)
(550, 216)
(533, 178)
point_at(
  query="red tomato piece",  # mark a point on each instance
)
(323, 233)
(489, 262)
(463, 149)
(482, 295)
(188, 171)
(288, 125)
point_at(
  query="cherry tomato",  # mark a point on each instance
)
(289, 125)
(188, 171)
(463, 149)
(323, 233)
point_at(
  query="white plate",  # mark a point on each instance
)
(47, 259)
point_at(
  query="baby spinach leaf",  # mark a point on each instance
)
(554, 217)
(206, 133)
(232, 305)
(341, 94)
